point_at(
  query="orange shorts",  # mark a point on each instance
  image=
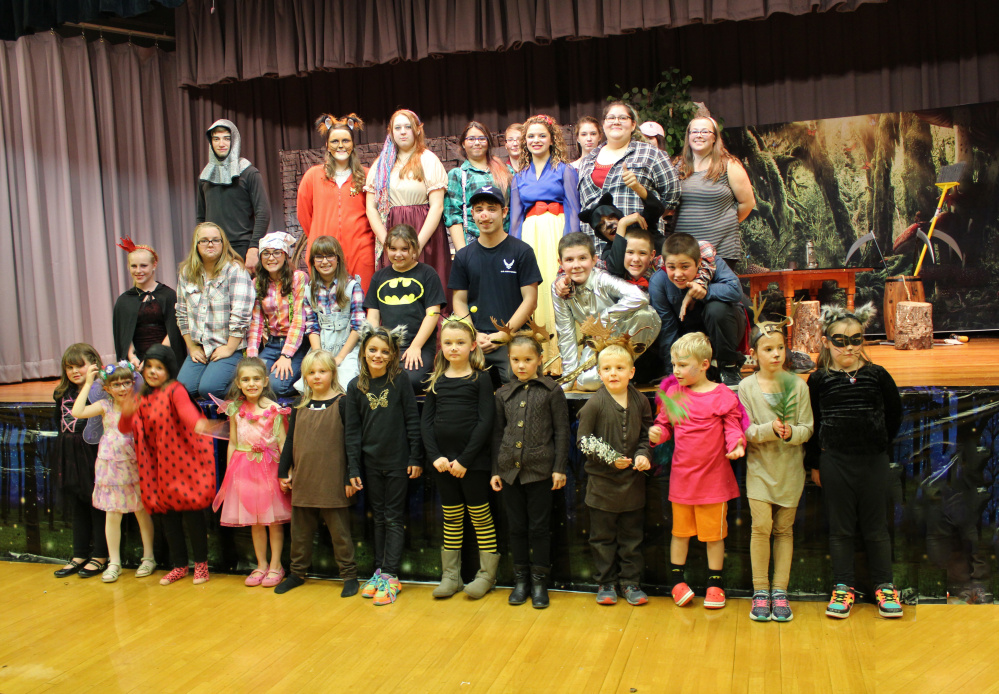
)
(707, 521)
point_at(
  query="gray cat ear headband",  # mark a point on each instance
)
(830, 315)
(395, 336)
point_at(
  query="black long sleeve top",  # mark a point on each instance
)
(458, 420)
(382, 426)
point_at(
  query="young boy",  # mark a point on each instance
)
(613, 433)
(498, 275)
(686, 306)
(619, 306)
(701, 480)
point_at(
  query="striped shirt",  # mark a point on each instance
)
(277, 315)
(709, 212)
(221, 308)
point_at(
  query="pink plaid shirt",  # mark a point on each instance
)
(275, 315)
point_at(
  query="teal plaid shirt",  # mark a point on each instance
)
(456, 200)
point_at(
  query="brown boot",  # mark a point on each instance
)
(485, 579)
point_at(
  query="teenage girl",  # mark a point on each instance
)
(116, 475)
(314, 469)
(408, 293)
(250, 493)
(530, 446)
(176, 463)
(457, 425)
(857, 412)
(588, 136)
(279, 313)
(337, 303)
(74, 461)
(478, 169)
(383, 436)
(544, 206)
(775, 473)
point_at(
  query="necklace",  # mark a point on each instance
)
(853, 376)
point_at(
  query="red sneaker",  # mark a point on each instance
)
(682, 594)
(714, 598)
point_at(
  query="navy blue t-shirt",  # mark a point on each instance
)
(493, 278)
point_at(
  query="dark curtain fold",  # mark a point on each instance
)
(19, 17)
(245, 39)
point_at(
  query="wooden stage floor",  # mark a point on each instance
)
(138, 636)
(972, 364)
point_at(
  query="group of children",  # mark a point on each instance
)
(365, 434)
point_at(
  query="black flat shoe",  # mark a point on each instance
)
(90, 573)
(69, 570)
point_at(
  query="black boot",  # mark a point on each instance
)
(539, 587)
(521, 585)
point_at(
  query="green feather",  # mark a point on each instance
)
(673, 405)
(786, 403)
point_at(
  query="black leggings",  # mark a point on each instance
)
(386, 492)
(174, 523)
(88, 528)
(529, 516)
(855, 492)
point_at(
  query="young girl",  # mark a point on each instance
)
(857, 412)
(479, 169)
(408, 293)
(457, 425)
(775, 475)
(74, 461)
(116, 477)
(250, 493)
(314, 469)
(383, 434)
(406, 185)
(530, 445)
(544, 206)
(336, 301)
(176, 463)
(279, 313)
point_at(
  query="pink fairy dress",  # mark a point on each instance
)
(116, 474)
(250, 493)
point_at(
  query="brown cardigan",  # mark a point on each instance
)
(531, 433)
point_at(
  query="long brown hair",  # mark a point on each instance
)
(191, 267)
(719, 156)
(350, 124)
(76, 354)
(477, 360)
(236, 395)
(392, 339)
(557, 152)
(327, 245)
(286, 278)
(497, 169)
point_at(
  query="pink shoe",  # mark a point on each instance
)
(272, 578)
(255, 578)
(174, 576)
(682, 594)
(714, 598)
(200, 573)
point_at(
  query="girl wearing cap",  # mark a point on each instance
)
(144, 315)
(406, 185)
(279, 314)
(331, 199)
(478, 169)
(214, 302)
(544, 206)
(717, 194)
(654, 131)
(588, 136)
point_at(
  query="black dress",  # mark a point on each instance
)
(73, 459)
(133, 327)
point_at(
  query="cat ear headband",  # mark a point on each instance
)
(395, 336)
(831, 315)
(128, 245)
(327, 122)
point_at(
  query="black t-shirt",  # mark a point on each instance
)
(402, 298)
(493, 278)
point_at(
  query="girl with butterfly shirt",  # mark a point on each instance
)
(382, 431)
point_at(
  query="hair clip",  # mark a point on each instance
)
(106, 372)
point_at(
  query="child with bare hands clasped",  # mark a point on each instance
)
(707, 437)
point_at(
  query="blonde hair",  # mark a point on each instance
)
(325, 359)
(616, 351)
(191, 268)
(696, 345)
(477, 360)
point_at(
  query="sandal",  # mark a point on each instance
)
(112, 573)
(255, 577)
(146, 567)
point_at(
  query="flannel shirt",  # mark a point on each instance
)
(276, 315)
(652, 168)
(456, 207)
(326, 304)
(221, 308)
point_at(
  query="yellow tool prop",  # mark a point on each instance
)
(951, 176)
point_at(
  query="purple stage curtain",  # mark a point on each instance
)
(95, 139)
(244, 39)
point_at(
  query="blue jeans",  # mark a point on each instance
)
(270, 353)
(213, 377)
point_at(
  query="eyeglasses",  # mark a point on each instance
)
(267, 255)
(512, 140)
(205, 243)
(474, 140)
(319, 259)
(841, 340)
(121, 384)
(702, 132)
(619, 119)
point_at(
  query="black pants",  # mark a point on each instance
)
(304, 522)
(855, 491)
(724, 324)
(387, 498)
(418, 376)
(88, 528)
(616, 545)
(174, 524)
(529, 516)
(470, 490)
(498, 362)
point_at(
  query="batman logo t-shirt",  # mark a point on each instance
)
(402, 298)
